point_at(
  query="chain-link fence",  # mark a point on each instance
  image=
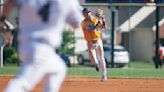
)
(134, 29)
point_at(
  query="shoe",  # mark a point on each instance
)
(97, 68)
(104, 79)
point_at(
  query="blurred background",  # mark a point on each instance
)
(132, 30)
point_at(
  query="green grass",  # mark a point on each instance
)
(117, 72)
(140, 64)
(136, 70)
(136, 73)
(9, 70)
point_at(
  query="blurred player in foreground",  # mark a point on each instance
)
(90, 27)
(41, 27)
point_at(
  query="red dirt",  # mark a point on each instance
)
(83, 84)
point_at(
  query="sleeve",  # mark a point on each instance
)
(96, 23)
(74, 15)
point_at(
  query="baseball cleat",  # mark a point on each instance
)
(97, 68)
(104, 79)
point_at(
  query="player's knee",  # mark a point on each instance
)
(102, 60)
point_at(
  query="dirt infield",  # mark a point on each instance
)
(84, 84)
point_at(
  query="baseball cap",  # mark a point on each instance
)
(86, 10)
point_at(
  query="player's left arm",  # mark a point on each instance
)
(101, 18)
(102, 23)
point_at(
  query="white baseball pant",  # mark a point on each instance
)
(38, 61)
(96, 53)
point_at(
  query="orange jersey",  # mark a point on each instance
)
(91, 34)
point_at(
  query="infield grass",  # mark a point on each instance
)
(136, 70)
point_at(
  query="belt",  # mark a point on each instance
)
(93, 41)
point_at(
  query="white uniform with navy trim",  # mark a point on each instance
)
(38, 39)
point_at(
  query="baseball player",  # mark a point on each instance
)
(90, 27)
(41, 26)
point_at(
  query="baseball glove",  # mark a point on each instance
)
(99, 13)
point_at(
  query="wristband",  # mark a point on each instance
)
(103, 22)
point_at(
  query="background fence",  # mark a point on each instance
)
(134, 27)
